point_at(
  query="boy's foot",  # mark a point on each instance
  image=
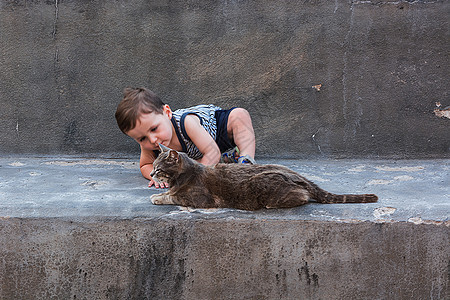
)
(246, 159)
(230, 156)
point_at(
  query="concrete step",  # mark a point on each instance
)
(84, 228)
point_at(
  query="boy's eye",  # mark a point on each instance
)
(154, 129)
(142, 139)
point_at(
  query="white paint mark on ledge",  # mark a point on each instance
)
(89, 162)
(357, 169)
(418, 221)
(94, 183)
(382, 211)
(379, 181)
(403, 178)
(385, 181)
(315, 178)
(400, 169)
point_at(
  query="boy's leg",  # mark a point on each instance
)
(240, 130)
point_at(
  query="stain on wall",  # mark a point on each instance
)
(442, 112)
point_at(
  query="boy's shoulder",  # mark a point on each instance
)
(197, 108)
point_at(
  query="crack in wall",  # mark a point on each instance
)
(56, 55)
(17, 129)
(352, 109)
(345, 61)
(55, 20)
(315, 142)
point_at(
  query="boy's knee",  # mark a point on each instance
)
(239, 114)
(239, 122)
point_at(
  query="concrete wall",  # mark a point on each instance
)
(382, 65)
(201, 258)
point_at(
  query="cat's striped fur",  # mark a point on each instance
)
(248, 187)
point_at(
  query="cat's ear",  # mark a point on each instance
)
(164, 148)
(173, 154)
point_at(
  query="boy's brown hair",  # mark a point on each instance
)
(136, 101)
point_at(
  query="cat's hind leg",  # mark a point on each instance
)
(294, 197)
(163, 198)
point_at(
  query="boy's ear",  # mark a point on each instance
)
(167, 111)
(164, 148)
(173, 155)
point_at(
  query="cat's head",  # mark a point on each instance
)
(167, 165)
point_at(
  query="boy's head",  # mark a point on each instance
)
(135, 102)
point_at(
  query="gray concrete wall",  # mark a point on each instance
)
(382, 65)
(202, 258)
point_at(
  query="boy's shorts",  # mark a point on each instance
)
(222, 139)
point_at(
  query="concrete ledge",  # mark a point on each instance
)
(84, 229)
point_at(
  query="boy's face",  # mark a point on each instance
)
(153, 129)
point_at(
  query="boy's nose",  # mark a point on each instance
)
(153, 139)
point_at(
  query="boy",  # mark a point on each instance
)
(203, 131)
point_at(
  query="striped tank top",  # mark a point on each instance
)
(206, 114)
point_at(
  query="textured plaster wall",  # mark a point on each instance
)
(320, 78)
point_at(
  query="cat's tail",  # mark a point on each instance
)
(323, 196)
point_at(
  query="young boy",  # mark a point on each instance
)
(203, 131)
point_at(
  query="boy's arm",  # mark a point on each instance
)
(146, 166)
(201, 138)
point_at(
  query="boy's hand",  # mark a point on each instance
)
(158, 184)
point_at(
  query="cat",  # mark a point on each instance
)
(240, 186)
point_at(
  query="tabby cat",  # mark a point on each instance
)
(240, 186)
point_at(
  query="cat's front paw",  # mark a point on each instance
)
(156, 199)
(159, 199)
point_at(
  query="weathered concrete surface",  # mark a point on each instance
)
(382, 66)
(200, 257)
(75, 187)
(75, 228)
